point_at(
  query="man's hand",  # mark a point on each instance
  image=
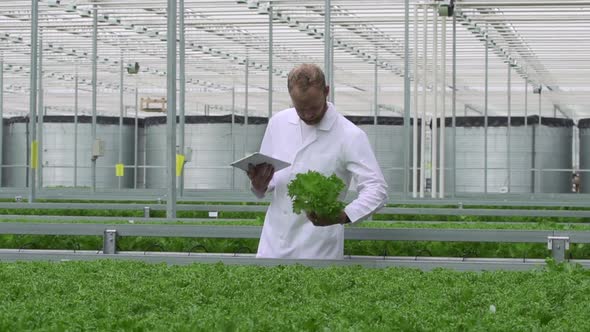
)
(260, 176)
(322, 221)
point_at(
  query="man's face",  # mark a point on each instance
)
(310, 104)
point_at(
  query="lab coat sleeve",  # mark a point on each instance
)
(371, 186)
(267, 149)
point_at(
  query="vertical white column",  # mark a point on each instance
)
(434, 141)
(415, 110)
(424, 94)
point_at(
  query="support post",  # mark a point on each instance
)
(443, 104)
(121, 110)
(182, 90)
(509, 140)
(136, 138)
(485, 138)
(415, 110)
(526, 122)
(328, 46)
(40, 116)
(434, 149)
(540, 128)
(1, 117)
(171, 109)
(109, 244)
(375, 92)
(76, 129)
(94, 78)
(246, 92)
(454, 161)
(407, 96)
(33, 97)
(424, 95)
(233, 138)
(270, 63)
(558, 246)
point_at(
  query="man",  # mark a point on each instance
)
(313, 136)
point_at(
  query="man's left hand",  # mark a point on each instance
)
(323, 221)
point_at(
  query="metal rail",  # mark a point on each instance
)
(557, 241)
(253, 232)
(263, 208)
(423, 263)
(156, 220)
(558, 200)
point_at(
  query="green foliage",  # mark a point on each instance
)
(126, 213)
(566, 267)
(314, 192)
(476, 225)
(11, 200)
(467, 217)
(136, 296)
(450, 249)
(98, 201)
(222, 203)
(57, 200)
(492, 207)
(171, 244)
(241, 215)
(51, 242)
(351, 247)
(73, 212)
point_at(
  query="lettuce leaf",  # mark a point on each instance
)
(315, 192)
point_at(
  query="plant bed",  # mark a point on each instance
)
(135, 296)
(351, 247)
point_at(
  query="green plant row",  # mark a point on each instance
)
(259, 220)
(427, 217)
(252, 215)
(135, 296)
(373, 248)
(351, 247)
(263, 203)
(124, 213)
(492, 207)
(136, 201)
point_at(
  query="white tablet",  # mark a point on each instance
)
(259, 158)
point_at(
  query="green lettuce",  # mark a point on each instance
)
(314, 192)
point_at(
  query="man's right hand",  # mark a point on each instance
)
(260, 176)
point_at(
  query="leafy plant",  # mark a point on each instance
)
(135, 296)
(314, 192)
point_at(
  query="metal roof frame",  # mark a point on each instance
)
(543, 40)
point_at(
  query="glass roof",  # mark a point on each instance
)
(538, 42)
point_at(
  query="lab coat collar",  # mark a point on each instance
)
(325, 124)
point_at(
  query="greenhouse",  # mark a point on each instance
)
(264, 165)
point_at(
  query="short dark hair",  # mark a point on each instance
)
(305, 76)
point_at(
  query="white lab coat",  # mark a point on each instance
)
(335, 146)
